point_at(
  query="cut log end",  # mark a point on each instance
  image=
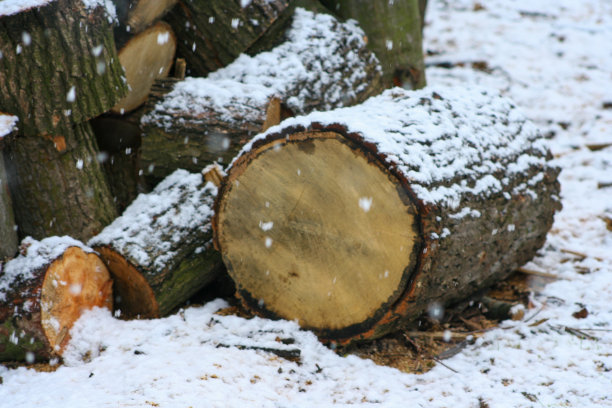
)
(75, 282)
(136, 296)
(334, 232)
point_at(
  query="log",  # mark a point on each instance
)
(213, 33)
(136, 15)
(43, 292)
(159, 251)
(8, 230)
(58, 64)
(323, 65)
(145, 57)
(356, 221)
(394, 31)
(58, 186)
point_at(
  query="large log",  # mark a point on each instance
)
(58, 64)
(355, 221)
(159, 251)
(8, 230)
(394, 30)
(43, 292)
(213, 33)
(57, 185)
(324, 64)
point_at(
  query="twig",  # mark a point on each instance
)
(537, 273)
(535, 314)
(439, 335)
(579, 254)
(437, 360)
(580, 334)
(586, 329)
(288, 354)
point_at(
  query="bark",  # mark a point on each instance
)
(43, 292)
(354, 230)
(213, 33)
(8, 230)
(324, 65)
(136, 15)
(159, 251)
(59, 66)
(394, 31)
(58, 186)
(145, 57)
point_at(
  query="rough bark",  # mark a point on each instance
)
(136, 15)
(43, 292)
(58, 186)
(145, 57)
(394, 31)
(8, 230)
(59, 66)
(323, 65)
(213, 33)
(354, 229)
(159, 251)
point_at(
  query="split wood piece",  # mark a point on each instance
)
(191, 123)
(58, 67)
(394, 34)
(43, 292)
(8, 230)
(145, 57)
(213, 33)
(58, 186)
(136, 15)
(353, 228)
(159, 251)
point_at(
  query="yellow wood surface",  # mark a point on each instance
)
(75, 282)
(315, 232)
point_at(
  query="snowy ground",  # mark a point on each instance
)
(554, 58)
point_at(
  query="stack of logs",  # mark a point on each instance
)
(331, 219)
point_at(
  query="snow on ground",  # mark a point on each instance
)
(553, 58)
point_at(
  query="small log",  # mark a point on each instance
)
(356, 221)
(8, 230)
(159, 251)
(58, 64)
(43, 292)
(136, 15)
(145, 57)
(394, 34)
(213, 33)
(324, 64)
(58, 186)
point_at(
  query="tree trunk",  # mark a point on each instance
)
(136, 15)
(58, 66)
(145, 57)
(8, 230)
(58, 186)
(43, 292)
(394, 34)
(355, 221)
(159, 251)
(213, 33)
(323, 65)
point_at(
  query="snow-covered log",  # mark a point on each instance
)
(145, 57)
(8, 232)
(58, 63)
(57, 184)
(357, 220)
(213, 33)
(43, 292)
(159, 251)
(394, 30)
(324, 64)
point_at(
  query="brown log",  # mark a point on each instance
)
(145, 57)
(8, 230)
(324, 64)
(213, 33)
(43, 292)
(58, 186)
(159, 251)
(58, 65)
(358, 220)
(136, 15)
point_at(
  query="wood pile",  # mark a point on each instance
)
(349, 212)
